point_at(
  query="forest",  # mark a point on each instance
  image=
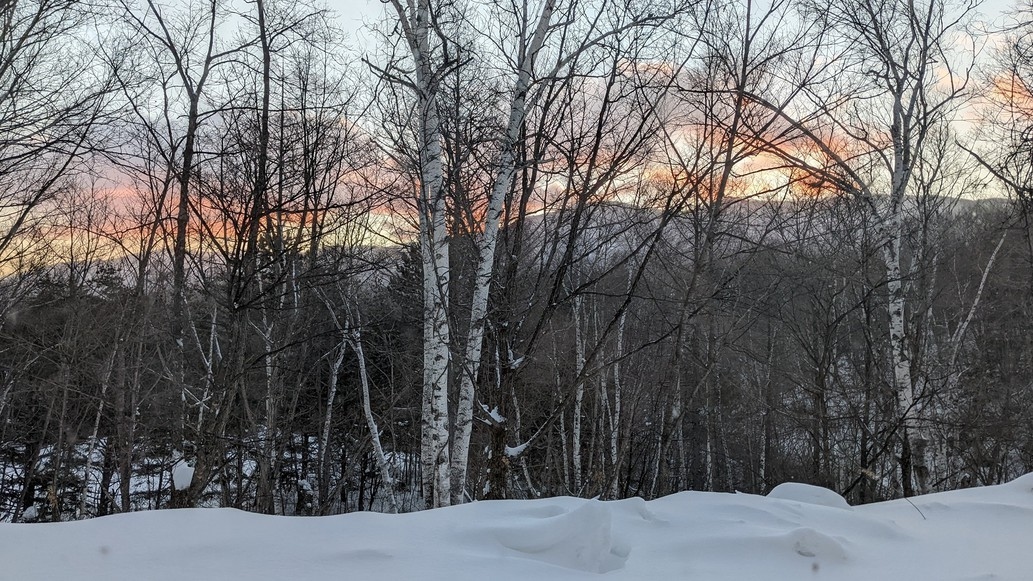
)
(510, 249)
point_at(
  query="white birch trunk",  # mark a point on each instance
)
(374, 431)
(414, 18)
(434, 424)
(959, 335)
(901, 361)
(506, 172)
(615, 411)
(654, 479)
(209, 357)
(334, 374)
(268, 464)
(105, 381)
(515, 412)
(579, 396)
(324, 438)
(564, 446)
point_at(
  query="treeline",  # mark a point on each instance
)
(506, 251)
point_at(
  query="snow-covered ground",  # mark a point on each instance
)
(796, 533)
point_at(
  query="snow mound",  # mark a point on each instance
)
(580, 539)
(182, 475)
(809, 494)
(636, 507)
(1023, 483)
(810, 543)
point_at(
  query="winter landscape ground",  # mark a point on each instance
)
(797, 532)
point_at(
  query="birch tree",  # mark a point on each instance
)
(434, 54)
(900, 82)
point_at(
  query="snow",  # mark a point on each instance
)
(513, 361)
(182, 474)
(809, 494)
(30, 514)
(515, 451)
(979, 533)
(494, 414)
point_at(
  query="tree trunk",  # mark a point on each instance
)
(374, 431)
(486, 257)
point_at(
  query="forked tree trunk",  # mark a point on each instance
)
(501, 186)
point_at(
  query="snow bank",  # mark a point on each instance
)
(809, 494)
(791, 535)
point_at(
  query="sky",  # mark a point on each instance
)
(352, 13)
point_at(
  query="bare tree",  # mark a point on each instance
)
(54, 103)
(871, 126)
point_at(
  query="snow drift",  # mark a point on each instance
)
(797, 532)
